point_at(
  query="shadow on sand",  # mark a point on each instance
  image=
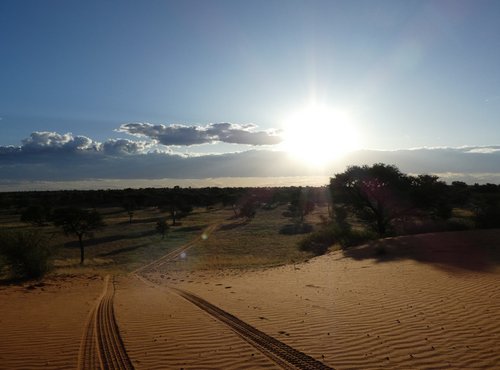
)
(110, 238)
(237, 222)
(472, 250)
(123, 250)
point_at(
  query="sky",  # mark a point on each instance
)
(103, 91)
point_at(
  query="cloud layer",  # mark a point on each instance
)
(181, 135)
(50, 156)
(45, 142)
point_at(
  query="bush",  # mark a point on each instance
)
(459, 224)
(319, 241)
(26, 254)
(488, 216)
(296, 228)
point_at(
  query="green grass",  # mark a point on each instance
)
(122, 246)
(246, 244)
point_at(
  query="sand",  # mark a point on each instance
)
(41, 325)
(421, 305)
(367, 312)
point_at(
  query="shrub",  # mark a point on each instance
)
(26, 254)
(296, 228)
(319, 241)
(488, 216)
(459, 224)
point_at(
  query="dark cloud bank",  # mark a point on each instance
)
(48, 156)
(181, 135)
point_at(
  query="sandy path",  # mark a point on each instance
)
(41, 326)
(102, 346)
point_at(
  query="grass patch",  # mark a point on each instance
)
(242, 244)
(122, 246)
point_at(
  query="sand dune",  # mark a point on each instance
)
(161, 330)
(364, 313)
(41, 326)
(427, 302)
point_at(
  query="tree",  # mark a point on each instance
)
(178, 209)
(376, 195)
(301, 204)
(79, 222)
(162, 227)
(230, 197)
(248, 209)
(130, 207)
(431, 195)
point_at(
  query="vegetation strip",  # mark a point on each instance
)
(174, 254)
(278, 351)
(102, 346)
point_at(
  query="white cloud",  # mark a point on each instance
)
(124, 146)
(48, 141)
(484, 150)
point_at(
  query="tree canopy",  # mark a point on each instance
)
(376, 194)
(78, 222)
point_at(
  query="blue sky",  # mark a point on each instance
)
(410, 74)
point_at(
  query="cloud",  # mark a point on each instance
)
(182, 135)
(485, 150)
(49, 156)
(5, 150)
(51, 141)
(45, 142)
(124, 146)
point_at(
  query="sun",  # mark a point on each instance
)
(318, 134)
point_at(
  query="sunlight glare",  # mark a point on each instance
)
(317, 135)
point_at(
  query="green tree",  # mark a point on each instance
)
(376, 195)
(79, 222)
(432, 195)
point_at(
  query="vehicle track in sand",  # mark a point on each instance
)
(101, 346)
(282, 354)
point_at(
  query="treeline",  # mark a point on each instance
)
(154, 197)
(380, 196)
(364, 202)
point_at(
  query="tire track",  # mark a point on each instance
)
(281, 353)
(101, 346)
